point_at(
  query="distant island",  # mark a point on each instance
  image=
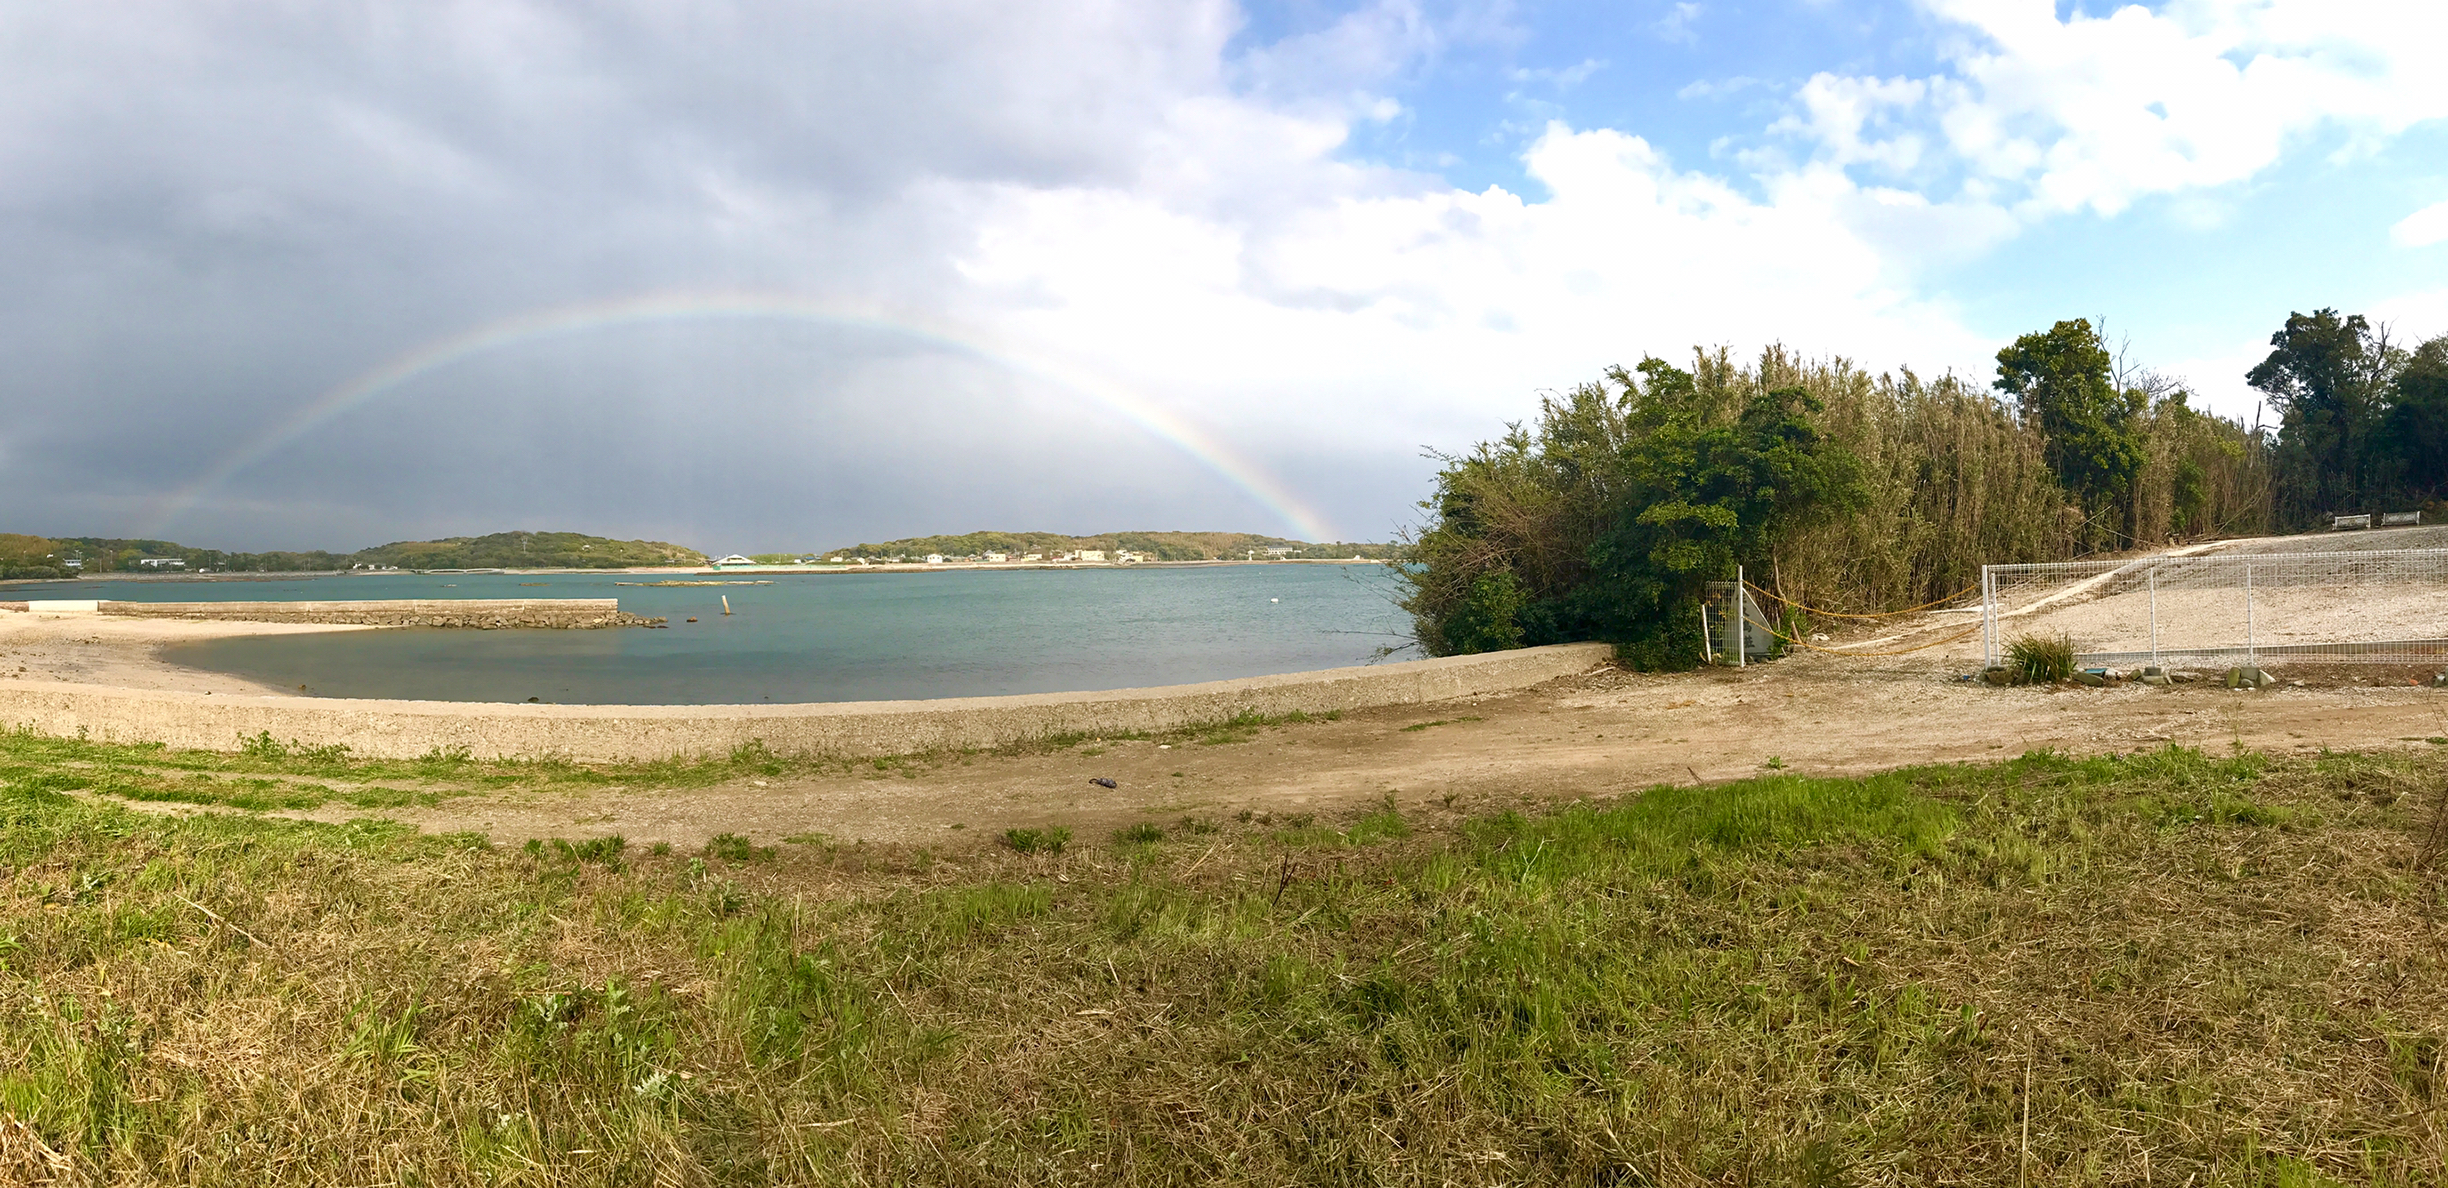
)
(40, 557)
(1153, 546)
(23, 557)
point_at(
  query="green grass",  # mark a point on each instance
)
(2164, 968)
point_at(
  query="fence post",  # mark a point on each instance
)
(2154, 615)
(1742, 623)
(2250, 657)
(1707, 649)
(1988, 619)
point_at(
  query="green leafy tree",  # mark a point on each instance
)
(2416, 427)
(1606, 522)
(1701, 497)
(2327, 376)
(2061, 382)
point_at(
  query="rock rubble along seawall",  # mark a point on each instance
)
(478, 613)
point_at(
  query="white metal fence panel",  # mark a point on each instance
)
(2364, 606)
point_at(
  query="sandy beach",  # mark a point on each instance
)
(92, 649)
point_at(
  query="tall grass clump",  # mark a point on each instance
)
(2041, 659)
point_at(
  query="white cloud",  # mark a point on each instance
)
(1433, 313)
(2095, 113)
(1677, 24)
(1111, 186)
(1562, 79)
(2422, 228)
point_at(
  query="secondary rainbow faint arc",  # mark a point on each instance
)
(1149, 416)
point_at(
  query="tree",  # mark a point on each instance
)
(2327, 376)
(2416, 427)
(1701, 496)
(2060, 381)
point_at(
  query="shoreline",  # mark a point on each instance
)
(125, 653)
(665, 571)
(152, 701)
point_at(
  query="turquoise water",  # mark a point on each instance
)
(817, 637)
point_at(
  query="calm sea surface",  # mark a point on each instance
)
(828, 637)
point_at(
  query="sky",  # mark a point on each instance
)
(778, 277)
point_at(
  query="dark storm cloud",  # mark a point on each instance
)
(212, 213)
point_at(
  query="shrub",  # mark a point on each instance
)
(2041, 660)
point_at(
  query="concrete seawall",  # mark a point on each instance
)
(480, 613)
(600, 733)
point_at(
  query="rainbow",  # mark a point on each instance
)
(563, 321)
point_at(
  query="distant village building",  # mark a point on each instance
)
(997, 558)
(1034, 557)
(1280, 550)
(734, 559)
(934, 558)
(1092, 554)
(1128, 557)
(162, 562)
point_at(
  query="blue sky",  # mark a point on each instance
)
(757, 274)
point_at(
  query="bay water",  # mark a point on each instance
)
(812, 637)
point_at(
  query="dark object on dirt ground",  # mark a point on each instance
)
(1102, 782)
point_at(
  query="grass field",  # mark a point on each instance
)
(2165, 968)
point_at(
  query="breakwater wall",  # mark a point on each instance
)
(605, 733)
(479, 613)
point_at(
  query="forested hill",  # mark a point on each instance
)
(527, 550)
(31, 556)
(1164, 546)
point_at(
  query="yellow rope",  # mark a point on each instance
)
(1880, 615)
(1965, 634)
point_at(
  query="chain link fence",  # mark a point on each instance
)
(2371, 606)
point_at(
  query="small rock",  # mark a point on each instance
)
(2154, 678)
(1102, 782)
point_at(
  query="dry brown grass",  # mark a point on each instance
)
(2158, 969)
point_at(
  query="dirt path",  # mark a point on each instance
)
(1594, 736)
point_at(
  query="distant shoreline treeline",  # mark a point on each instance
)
(1840, 489)
(1163, 546)
(24, 557)
(39, 557)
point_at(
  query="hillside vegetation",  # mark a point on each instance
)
(2162, 968)
(1164, 546)
(527, 550)
(22, 556)
(1839, 489)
